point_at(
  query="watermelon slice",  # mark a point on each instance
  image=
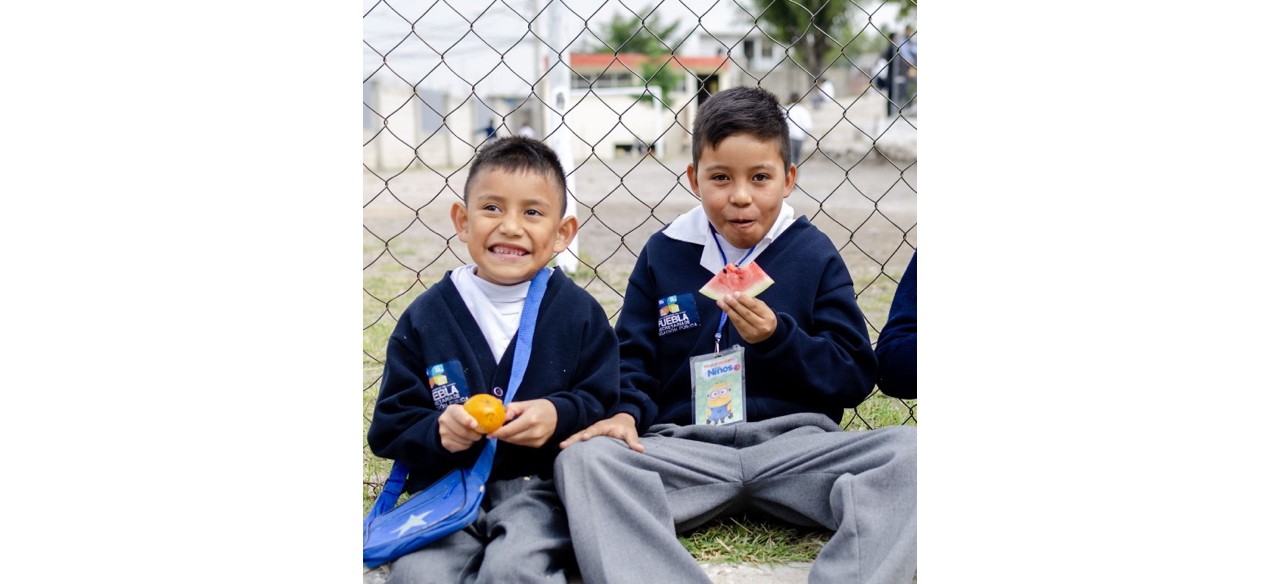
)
(750, 281)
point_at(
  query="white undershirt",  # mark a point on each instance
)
(693, 227)
(496, 308)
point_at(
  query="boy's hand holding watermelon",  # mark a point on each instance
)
(751, 317)
(734, 289)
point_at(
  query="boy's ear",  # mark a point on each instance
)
(693, 180)
(565, 233)
(791, 181)
(458, 212)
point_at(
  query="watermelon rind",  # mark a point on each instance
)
(710, 291)
(760, 286)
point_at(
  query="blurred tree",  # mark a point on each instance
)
(907, 12)
(809, 28)
(645, 33)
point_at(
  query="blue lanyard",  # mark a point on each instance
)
(725, 259)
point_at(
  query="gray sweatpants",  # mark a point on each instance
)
(520, 536)
(626, 507)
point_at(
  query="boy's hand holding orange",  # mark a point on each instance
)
(529, 423)
(463, 425)
(487, 410)
(458, 429)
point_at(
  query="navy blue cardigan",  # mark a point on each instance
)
(574, 364)
(818, 360)
(896, 348)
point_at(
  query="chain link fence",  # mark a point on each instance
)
(614, 89)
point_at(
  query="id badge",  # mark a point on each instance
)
(719, 389)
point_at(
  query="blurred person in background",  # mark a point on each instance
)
(909, 55)
(799, 124)
(490, 131)
(898, 72)
(824, 91)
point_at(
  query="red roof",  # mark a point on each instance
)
(603, 61)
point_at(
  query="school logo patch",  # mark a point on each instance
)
(447, 383)
(677, 313)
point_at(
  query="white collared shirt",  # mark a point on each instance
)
(693, 227)
(496, 308)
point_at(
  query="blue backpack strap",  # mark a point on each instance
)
(391, 490)
(524, 334)
(520, 362)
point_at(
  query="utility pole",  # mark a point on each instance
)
(556, 98)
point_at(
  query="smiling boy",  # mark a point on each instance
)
(456, 340)
(801, 354)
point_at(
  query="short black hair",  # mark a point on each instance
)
(519, 154)
(741, 110)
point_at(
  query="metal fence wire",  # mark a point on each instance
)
(614, 89)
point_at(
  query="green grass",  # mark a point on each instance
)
(741, 539)
(879, 411)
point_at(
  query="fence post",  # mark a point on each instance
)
(557, 101)
(659, 149)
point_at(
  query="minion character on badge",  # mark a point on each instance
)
(718, 407)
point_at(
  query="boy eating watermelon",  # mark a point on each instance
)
(795, 356)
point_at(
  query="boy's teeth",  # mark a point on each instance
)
(499, 249)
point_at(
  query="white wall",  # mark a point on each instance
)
(393, 147)
(595, 120)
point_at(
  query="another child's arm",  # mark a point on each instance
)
(637, 348)
(620, 426)
(896, 350)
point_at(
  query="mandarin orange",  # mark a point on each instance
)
(487, 410)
